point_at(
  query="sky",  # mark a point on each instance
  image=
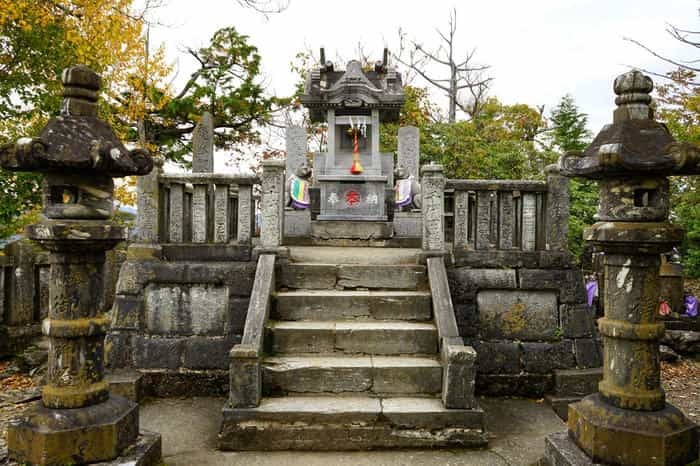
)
(538, 50)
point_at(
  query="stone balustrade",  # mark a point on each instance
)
(510, 215)
(206, 208)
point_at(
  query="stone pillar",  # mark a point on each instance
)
(433, 206)
(272, 204)
(77, 420)
(203, 145)
(409, 150)
(295, 142)
(557, 229)
(628, 422)
(146, 233)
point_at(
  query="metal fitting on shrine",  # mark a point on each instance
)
(77, 420)
(628, 422)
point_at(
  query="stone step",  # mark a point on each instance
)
(317, 276)
(577, 382)
(339, 305)
(357, 256)
(355, 422)
(372, 337)
(560, 404)
(374, 375)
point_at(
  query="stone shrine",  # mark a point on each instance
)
(353, 179)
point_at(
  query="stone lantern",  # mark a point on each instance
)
(77, 421)
(629, 422)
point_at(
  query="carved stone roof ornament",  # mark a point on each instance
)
(354, 88)
(634, 143)
(77, 139)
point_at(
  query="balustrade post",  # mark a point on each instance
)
(433, 208)
(272, 204)
(557, 220)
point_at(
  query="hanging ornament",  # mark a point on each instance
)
(356, 168)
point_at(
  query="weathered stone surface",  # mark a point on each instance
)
(355, 255)
(458, 376)
(127, 313)
(145, 451)
(237, 312)
(385, 337)
(328, 229)
(587, 351)
(557, 231)
(524, 315)
(125, 383)
(358, 423)
(542, 358)
(158, 383)
(206, 252)
(577, 382)
(405, 375)
(497, 357)
(317, 374)
(380, 337)
(682, 341)
(526, 385)
(245, 377)
(560, 450)
(377, 276)
(206, 352)
(272, 204)
(297, 223)
(157, 353)
(569, 282)
(86, 435)
(465, 283)
(302, 337)
(408, 224)
(183, 310)
(338, 305)
(613, 435)
(467, 316)
(409, 150)
(119, 348)
(203, 145)
(560, 404)
(577, 320)
(432, 202)
(307, 276)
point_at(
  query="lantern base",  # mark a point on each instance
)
(101, 432)
(610, 435)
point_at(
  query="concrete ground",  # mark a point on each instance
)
(189, 427)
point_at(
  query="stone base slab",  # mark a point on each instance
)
(350, 423)
(560, 450)
(146, 451)
(126, 383)
(45, 436)
(346, 229)
(620, 436)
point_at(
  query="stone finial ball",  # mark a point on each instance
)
(82, 77)
(633, 82)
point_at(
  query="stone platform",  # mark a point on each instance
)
(343, 229)
(189, 427)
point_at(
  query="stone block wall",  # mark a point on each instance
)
(24, 290)
(525, 314)
(176, 321)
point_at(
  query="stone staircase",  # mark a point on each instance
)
(352, 360)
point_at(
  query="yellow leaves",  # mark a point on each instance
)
(125, 191)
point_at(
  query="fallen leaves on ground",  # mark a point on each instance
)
(681, 380)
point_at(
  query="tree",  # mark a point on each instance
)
(227, 84)
(461, 73)
(568, 133)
